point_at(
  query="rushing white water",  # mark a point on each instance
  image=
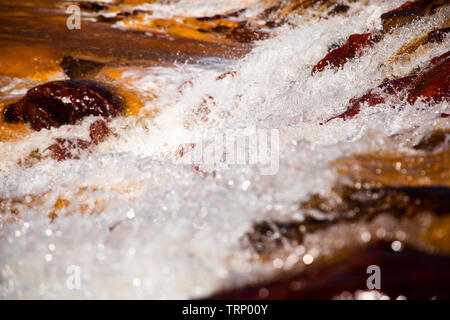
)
(167, 230)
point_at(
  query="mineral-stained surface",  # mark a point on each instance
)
(64, 149)
(349, 50)
(432, 85)
(409, 11)
(76, 68)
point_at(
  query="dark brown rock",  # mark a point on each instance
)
(338, 8)
(92, 6)
(76, 68)
(64, 149)
(433, 84)
(438, 35)
(269, 236)
(63, 102)
(377, 96)
(353, 204)
(439, 59)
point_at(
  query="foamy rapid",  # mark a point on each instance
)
(166, 230)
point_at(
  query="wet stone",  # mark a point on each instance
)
(434, 83)
(269, 236)
(99, 131)
(92, 6)
(64, 149)
(338, 9)
(377, 96)
(410, 272)
(76, 68)
(63, 102)
(433, 140)
(409, 11)
(349, 50)
(432, 86)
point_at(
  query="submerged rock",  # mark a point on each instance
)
(99, 131)
(432, 85)
(433, 140)
(267, 237)
(377, 96)
(435, 36)
(364, 204)
(76, 68)
(408, 12)
(63, 102)
(409, 272)
(64, 149)
(398, 17)
(349, 50)
(92, 6)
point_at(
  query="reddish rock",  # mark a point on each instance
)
(65, 149)
(99, 131)
(439, 59)
(377, 96)
(408, 12)
(348, 114)
(349, 50)
(409, 272)
(395, 18)
(432, 141)
(433, 84)
(63, 102)
(267, 237)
